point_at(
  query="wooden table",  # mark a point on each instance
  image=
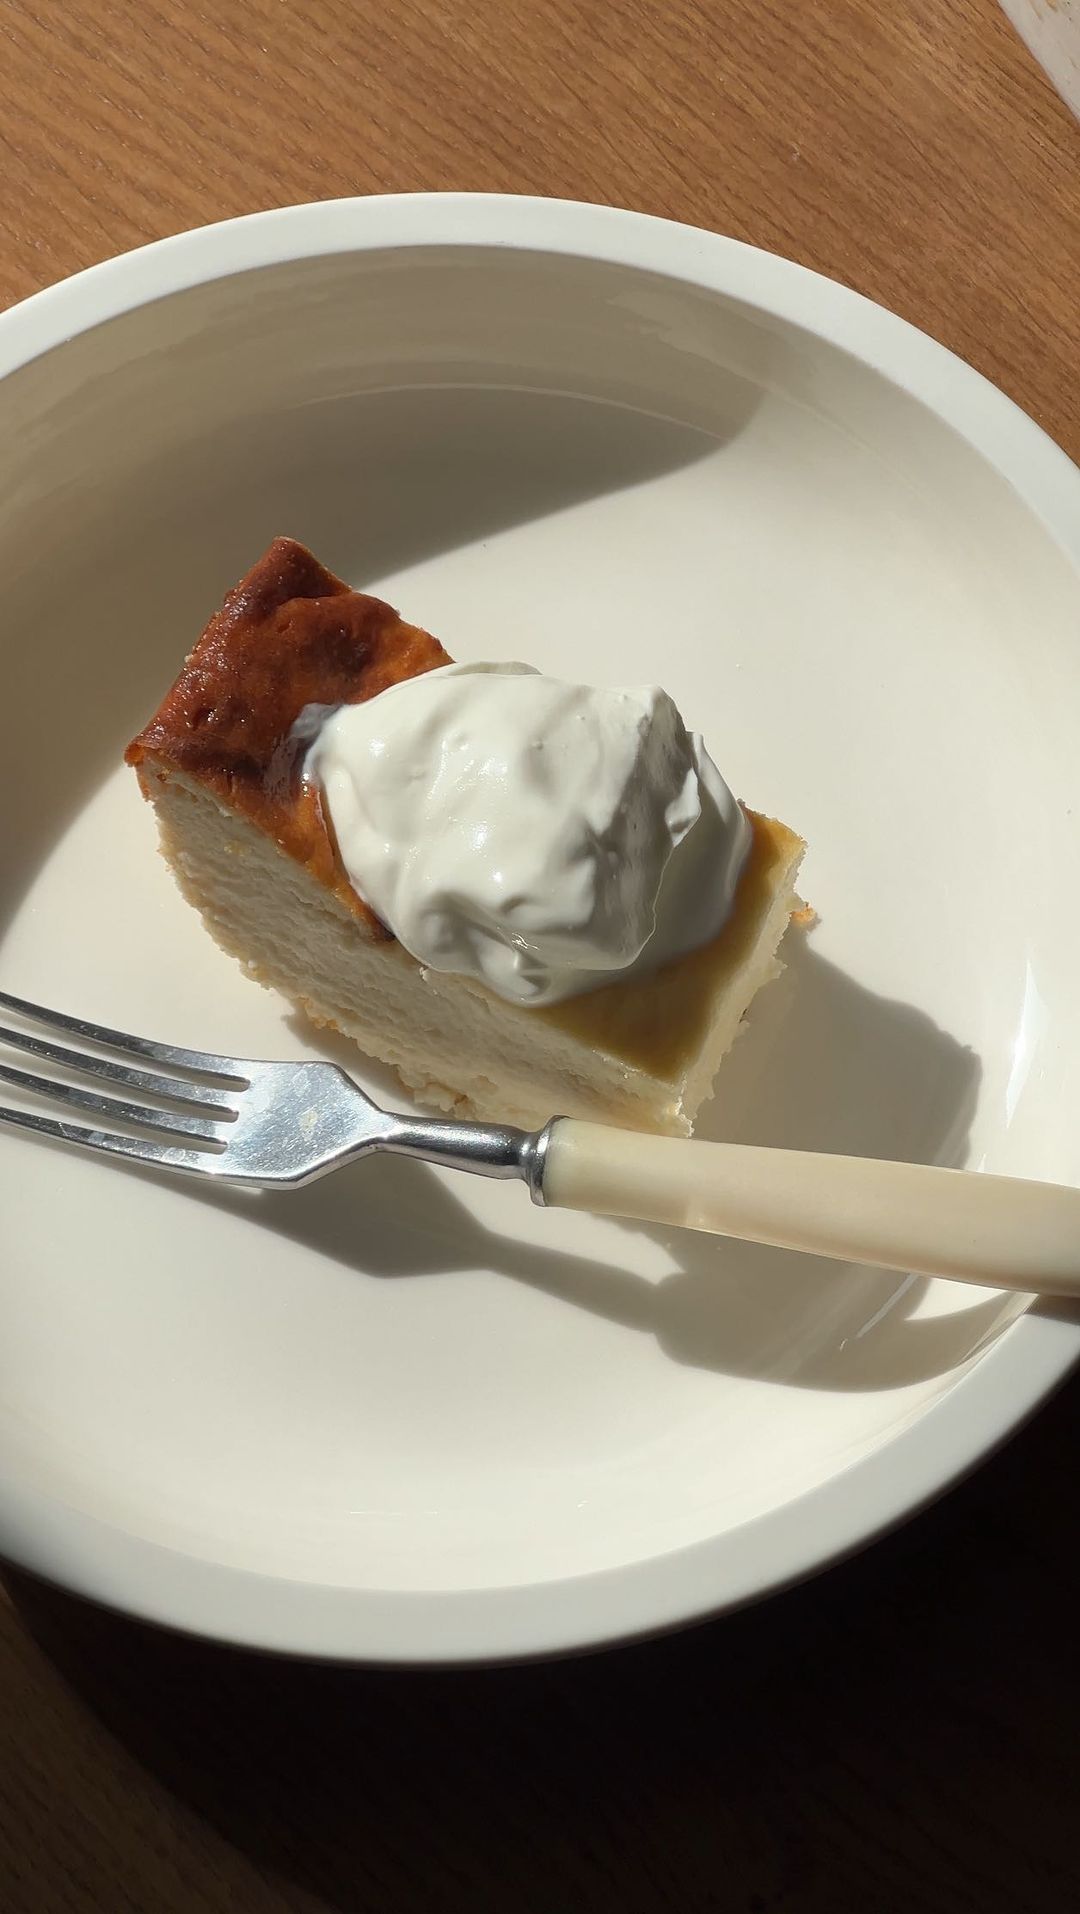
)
(902, 1733)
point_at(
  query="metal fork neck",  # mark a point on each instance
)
(485, 1149)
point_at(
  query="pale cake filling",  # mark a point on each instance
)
(642, 1053)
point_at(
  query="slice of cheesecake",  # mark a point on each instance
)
(248, 844)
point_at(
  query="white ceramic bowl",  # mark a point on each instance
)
(400, 1417)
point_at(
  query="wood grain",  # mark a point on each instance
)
(901, 1734)
(913, 150)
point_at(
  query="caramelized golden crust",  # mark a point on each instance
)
(658, 1022)
(290, 634)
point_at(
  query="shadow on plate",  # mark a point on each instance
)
(824, 1064)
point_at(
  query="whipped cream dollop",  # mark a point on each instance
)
(542, 837)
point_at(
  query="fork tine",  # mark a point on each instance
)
(197, 1096)
(143, 1151)
(231, 1068)
(165, 1122)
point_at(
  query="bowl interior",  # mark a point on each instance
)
(396, 1379)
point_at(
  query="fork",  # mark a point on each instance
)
(281, 1125)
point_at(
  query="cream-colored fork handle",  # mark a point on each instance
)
(978, 1229)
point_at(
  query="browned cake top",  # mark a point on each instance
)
(289, 634)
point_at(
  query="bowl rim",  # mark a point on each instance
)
(977, 1412)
